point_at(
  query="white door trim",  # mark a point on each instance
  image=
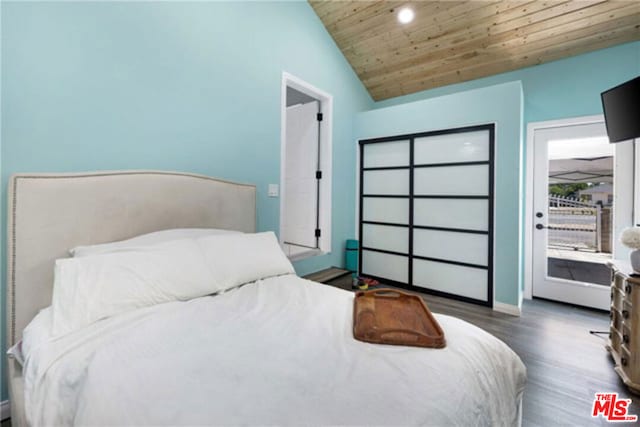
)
(326, 156)
(532, 127)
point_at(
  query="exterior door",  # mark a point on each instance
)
(582, 198)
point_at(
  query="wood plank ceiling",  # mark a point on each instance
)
(455, 41)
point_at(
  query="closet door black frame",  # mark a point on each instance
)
(411, 197)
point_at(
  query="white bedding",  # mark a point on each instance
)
(279, 351)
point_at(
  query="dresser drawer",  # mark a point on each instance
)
(616, 319)
(631, 292)
(617, 296)
(615, 339)
(630, 363)
(627, 338)
(625, 358)
(624, 337)
(626, 311)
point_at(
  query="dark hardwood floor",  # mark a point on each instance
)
(566, 365)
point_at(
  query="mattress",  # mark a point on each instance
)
(278, 351)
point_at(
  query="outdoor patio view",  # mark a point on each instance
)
(580, 210)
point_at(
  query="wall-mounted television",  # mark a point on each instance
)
(621, 106)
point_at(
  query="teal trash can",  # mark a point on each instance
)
(351, 251)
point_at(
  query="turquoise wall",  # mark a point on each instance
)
(177, 86)
(502, 105)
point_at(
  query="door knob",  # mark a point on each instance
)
(540, 226)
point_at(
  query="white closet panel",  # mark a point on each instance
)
(394, 182)
(453, 279)
(453, 147)
(452, 180)
(385, 237)
(379, 209)
(386, 266)
(466, 214)
(428, 196)
(381, 154)
(461, 247)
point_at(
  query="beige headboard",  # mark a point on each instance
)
(51, 213)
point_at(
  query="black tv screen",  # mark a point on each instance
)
(621, 106)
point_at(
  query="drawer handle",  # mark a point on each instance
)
(627, 288)
(623, 361)
(625, 314)
(625, 338)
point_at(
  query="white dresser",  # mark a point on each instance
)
(624, 336)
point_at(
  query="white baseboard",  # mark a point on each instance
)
(5, 410)
(513, 310)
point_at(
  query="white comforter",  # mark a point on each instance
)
(278, 351)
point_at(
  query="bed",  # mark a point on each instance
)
(269, 349)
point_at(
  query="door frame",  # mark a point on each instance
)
(326, 158)
(622, 206)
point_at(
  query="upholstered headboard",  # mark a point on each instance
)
(51, 213)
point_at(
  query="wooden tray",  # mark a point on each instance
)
(389, 316)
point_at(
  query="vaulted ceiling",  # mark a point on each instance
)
(455, 41)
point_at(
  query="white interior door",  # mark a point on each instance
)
(574, 235)
(301, 186)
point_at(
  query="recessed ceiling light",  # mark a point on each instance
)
(405, 15)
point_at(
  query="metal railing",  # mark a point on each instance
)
(574, 224)
(569, 202)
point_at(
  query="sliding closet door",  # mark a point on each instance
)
(426, 212)
(384, 212)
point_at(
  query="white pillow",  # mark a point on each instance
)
(236, 259)
(15, 351)
(91, 288)
(37, 332)
(150, 239)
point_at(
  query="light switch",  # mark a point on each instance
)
(273, 190)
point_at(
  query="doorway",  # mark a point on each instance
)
(581, 200)
(305, 179)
